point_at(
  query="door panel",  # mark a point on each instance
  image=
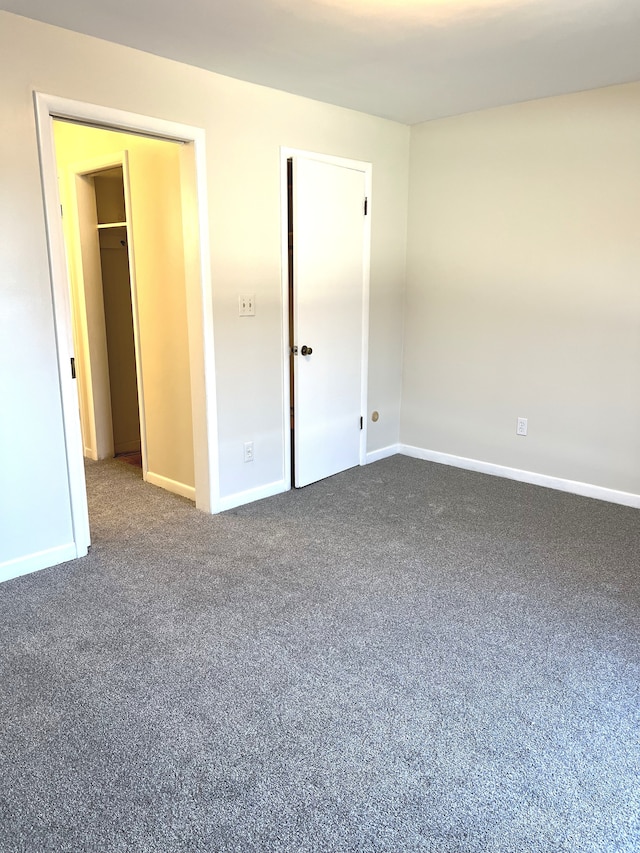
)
(328, 284)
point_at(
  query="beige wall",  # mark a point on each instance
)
(523, 292)
(245, 127)
(154, 179)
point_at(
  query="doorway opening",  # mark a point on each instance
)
(121, 199)
(106, 339)
(198, 380)
(118, 314)
(117, 299)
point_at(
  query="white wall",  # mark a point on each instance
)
(523, 290)
(246, 125)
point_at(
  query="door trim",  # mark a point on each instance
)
(199, 292)
(367, 169)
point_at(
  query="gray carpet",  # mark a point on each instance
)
(405, 657)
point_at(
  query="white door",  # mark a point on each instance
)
(328, 219)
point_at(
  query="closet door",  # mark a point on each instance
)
(328, 217)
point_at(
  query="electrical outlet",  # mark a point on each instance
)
(521, 429)
(248, 451)
(247, 305)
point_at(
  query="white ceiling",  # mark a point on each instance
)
(408, 60)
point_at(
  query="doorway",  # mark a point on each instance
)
(327, 296)
(124, 234)
(97, 225)
(193, 208)
(121, 332)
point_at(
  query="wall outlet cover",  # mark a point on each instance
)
(247, 305)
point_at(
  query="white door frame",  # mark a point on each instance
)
(367, 169)
(99, 426)
(199, 293)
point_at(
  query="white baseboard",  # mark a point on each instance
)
(250, 495)
(171, 485)
(40, 560)
(383, 453)
(586, 490)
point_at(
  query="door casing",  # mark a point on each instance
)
(199, 293)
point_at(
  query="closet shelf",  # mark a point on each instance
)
(102, 225)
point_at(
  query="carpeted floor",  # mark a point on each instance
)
(405, 657)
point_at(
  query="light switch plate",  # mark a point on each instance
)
(247, 305)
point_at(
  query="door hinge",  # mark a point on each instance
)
(73, 368)
(61, 210)
(366, 206)
(361, 422)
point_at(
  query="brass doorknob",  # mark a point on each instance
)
(306, 350)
